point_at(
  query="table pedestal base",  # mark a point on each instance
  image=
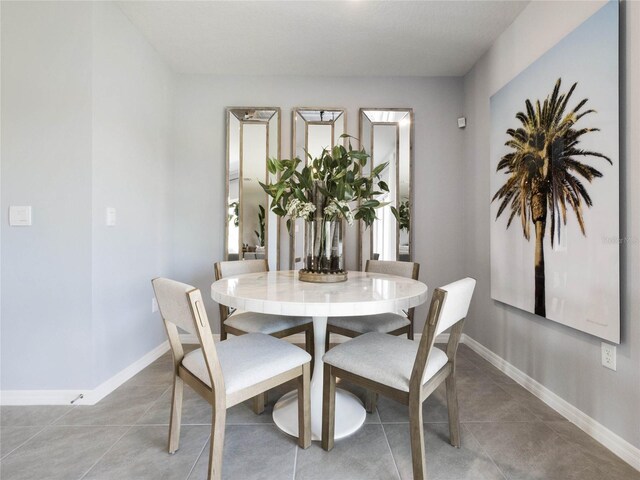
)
(350, 415)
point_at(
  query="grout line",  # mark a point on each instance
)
(107, 451)
(484, 450)
(25, 442)
(197, 458)
(395, 464)
(35, 434)
(121, 436)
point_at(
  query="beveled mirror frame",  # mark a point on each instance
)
(254, 115)
(298, 115)
(367, 143)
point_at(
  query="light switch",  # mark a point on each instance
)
(111, 217)
(20, 216)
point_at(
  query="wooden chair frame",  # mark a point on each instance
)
(408, 330)
(418, 392)
(216, 394)
(261, 400)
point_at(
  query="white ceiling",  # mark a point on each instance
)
(322, 37)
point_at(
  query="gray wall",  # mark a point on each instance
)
(46, 163)
(132, 90)
(86, 117)
(199, 151)
(564, 360)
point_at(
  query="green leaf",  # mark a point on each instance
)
(383, 185)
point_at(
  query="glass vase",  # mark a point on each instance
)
(323, 254)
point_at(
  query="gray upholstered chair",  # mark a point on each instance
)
(404, 370)
(238, 322)
(392, 323)
(227, 373)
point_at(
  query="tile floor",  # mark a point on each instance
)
(507, 434)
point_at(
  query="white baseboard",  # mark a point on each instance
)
(626, 451)
(89, 396)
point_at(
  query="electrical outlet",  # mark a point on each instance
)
(609, 356)
(154, 305)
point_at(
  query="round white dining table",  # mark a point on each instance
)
(281, 293)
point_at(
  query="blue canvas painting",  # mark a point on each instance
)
(555, 182)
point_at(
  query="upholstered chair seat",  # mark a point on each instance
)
(382, 322)
(385, 359)
(262, 322)
(248, 360)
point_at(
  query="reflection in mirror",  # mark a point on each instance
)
(253, 135)
(386, 134)
(314, 129)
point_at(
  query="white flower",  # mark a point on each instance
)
(335, 208)
(297, 209)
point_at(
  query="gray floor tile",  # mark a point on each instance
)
(27, 416)
(444, 462)
(158, 373)
(252, 452)
(533, 403)
(604, 463)
(365, 455)
(12, 437)
(195, 409)
(59, 453)
(434, 409)
(125, 406)
(528, 451)
(490, 403)
(142, 454)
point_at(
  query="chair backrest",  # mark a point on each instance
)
(181, 306)
(401, 269)
(448, 309)
(236, 267)
(239, 267)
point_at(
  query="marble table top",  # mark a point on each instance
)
(281, 293)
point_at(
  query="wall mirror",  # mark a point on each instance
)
(253, 136)
(313, 129)
(387, 135)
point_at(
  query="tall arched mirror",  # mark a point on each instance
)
(253, 136)
(313, 129)
(387, 135)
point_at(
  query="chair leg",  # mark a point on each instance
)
(176, 414)
(328, 408)
(308, 340)
(452, 407)
(410, 332)
(304, 408)
(417, 439)
(258, 402)
(217, 443)
(327, 341)
(371, 401)
(223, 333)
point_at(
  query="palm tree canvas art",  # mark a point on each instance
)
(555, 181)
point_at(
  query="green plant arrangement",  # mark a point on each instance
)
(235, 216)
(260, 234)
(323, 192)
(403, 215)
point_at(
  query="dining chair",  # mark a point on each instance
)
(404, 370)
(237, 322)
(392, 323)
(227, 373)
